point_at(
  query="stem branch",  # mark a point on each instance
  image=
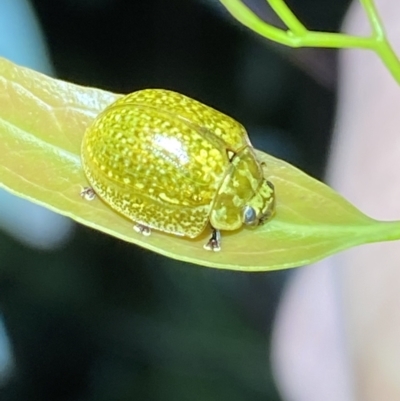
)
(297, 34)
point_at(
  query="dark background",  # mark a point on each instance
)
(100, 319)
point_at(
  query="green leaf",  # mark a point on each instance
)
(42, 121)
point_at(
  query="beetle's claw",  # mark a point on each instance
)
(141, 229)
(88, 193)
(214, 243)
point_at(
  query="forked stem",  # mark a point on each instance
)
(380, 41)
(288, 18)
(297, 35)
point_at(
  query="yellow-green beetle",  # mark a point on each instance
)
(172, 164)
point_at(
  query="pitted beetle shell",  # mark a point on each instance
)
(171, 163)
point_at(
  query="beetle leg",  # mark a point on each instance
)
(214, 243)
(88, 193)
(142, 229)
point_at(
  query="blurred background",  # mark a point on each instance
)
(84, 316)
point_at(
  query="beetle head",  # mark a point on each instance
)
(261, 207)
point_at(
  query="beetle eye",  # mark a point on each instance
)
(249, 215)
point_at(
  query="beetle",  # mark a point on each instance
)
(171, 163)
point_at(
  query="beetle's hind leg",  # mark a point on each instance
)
(142, 229)
(214, 243)
(88, 193)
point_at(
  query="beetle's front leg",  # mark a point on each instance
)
(214, 243)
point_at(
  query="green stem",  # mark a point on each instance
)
(374, 18)
(298, 36)
(287, 16)
(335, 40)
(389, 58)
(287, 37)
(382, 46)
